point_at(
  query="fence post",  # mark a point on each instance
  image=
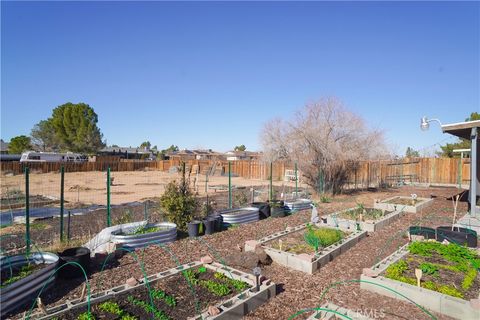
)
(296, 180)
(27, 210)
(108, 197)
(68, 225)
(271, 181)
(62, 199)
(229, 184)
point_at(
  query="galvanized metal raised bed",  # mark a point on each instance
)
(26, 290)
(239, 216)
(167, 234)
(299, 204)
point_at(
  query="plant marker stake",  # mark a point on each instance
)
(229, 184)
(108, 197)
(27, 210)
(62, 199)
(418, 274)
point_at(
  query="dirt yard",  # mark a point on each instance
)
(128, 186)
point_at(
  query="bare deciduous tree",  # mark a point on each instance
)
(325, 139)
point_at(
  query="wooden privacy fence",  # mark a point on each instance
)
(367, 173)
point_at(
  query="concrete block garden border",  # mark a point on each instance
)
(384, 205)
(369, 226)
(233, 308)
(325, 315)
(438, 302)
(308, 263)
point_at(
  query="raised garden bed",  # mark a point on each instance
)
(22, 278)
(178, 293)
(366, 219)
(8, 203)
(139, 236)
(449, 284)
(401, 203)
(342, 313)
(239, 216)
(298, 204)
(307, 247)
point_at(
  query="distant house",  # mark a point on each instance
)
(3, 147)
(198, 154)
(127, 153)
(242, 155)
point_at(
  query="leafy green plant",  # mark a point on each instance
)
(128, 317)
(191, 277)
(86, 316)
(237, 284)
(218, 289)
(429, 269)
(179, 203)
(325, 199)
(396, 270)
(201, 269)
(111, 307)
(145, 229)
(469, 278)
(158, 314)
(162, 295)
(24, 272)
(449, 290)
(311, 239)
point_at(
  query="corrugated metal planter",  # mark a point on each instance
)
(168, 233)
(299, 204)
(239, 216)
(26, 290)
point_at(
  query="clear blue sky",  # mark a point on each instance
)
(208, 74)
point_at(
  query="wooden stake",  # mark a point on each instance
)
(84, 290)
(418, 274)
(41, 306)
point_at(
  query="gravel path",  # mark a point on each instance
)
(296, 290)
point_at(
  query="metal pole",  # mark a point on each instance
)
(27, 210)
(271, 181)
(62, 184)
(473, 172)
(108, 197)
(459, 178)
(206, 183)
(229, 184)
(68, 225)
(296, 180)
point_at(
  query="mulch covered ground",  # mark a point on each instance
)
(296, 290)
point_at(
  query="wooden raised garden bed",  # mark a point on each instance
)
(449, 283)
(307, 247)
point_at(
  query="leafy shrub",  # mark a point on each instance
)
(179, 203)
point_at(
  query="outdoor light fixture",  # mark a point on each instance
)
(425, 123)
(256, 272)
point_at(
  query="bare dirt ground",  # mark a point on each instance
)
(295, 290)
(90, 187)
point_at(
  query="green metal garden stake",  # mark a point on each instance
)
(68, 225)
(108, 197)
(229, 184)
(27, 210)
(62, 184)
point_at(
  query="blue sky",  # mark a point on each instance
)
(209, 74)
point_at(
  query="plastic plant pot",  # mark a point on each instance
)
(193, 228)
(460, 236)
(80, 255)
(427, 233)
(209, 224)
(218, 222)
(263, 208)
(278, 212)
